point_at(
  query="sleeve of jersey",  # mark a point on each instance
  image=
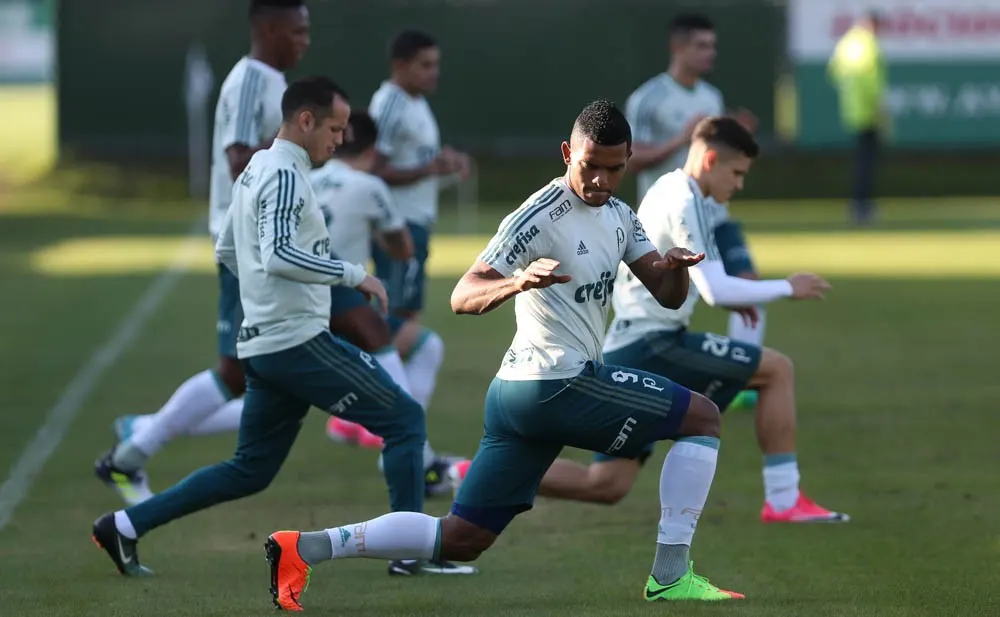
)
(692, 229)
(720, 289)
(384, 211)
(637, 243)
(389, 119)
(280, 253)
(517, 243)
(640, 111)
(225, 246)
(240, 118)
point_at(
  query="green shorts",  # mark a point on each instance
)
(606, 408)
(709, 364)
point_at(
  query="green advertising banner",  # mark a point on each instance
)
(943, 64)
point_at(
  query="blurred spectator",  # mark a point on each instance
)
(857, 70)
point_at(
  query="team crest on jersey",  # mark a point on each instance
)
(599, 291)
(621, 237)
(521, 242)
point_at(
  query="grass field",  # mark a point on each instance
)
(897, 376)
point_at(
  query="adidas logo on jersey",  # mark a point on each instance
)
(582, 249)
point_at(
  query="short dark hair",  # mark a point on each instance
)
(408, 43)
(726, 132)
(363, 131)
(604, 124)
(261, 7)
(313, 93)
(686, 23)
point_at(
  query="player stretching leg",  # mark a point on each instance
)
(247, 117)
(647, 336)
(275, 240)
(557, 254)
(663, 112)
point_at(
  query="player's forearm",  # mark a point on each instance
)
(672, 290)
(648, 155)
(397, 244)
(476, 295)
(719, 289)
(295, 265)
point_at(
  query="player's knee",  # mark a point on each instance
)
(230, 372)
(609, 489)
(776, 365)
(409, 425)
(252, 474)
(462, 540)
(702, 418)
(431, 348)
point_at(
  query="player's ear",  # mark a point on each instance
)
(567, 153)
(709, 160)
(307, 121)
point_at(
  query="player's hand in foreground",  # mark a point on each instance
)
(749, 314)
(678, 257)
(541, 274)
(807, 286)
(371, 287)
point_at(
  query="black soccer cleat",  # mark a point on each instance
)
(122, 551)
(436, 477)
(412, 567)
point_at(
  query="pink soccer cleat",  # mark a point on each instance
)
(805, 510)
(342, 431)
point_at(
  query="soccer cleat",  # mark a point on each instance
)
(131, 486)
(688, 587)
(436, 478)
(412, 567)
(124, 427)
(746, 400)
(805, 510)
(342, 431)
(123, 551)
(289, 573)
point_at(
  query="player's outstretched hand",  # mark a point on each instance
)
(678, 257)
(749, 314)
(371, 287)
(808, 286)
(540, 274)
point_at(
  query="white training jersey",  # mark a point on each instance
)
(355, 205)
(248, 113)
(673, 213)
(659, 110)
(561, 327)
(275, 240)
(408, 137)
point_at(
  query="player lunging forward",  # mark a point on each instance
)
(663, 113)
(247, 118)
(647, 336)
(558, 254)
(275, 240)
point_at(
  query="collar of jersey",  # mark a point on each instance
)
(693, 184)
(265, 67)
(295, 150)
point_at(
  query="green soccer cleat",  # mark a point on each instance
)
(746, 400)
(688, 587)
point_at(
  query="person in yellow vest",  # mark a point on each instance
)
(858, 72)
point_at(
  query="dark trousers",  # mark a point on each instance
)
(865, 160)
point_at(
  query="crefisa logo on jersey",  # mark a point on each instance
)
(598, 292)
(321, 248)
(521, 242)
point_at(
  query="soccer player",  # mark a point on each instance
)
(663, 112)
(409, 157)
(647, 336)
(557, 255)
(247, 118)
(274, 239)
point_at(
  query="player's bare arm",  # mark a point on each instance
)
(483, 289)
(397, 243)
(393, 176)
(666, 277)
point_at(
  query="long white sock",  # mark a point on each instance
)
(781, 481)
(393, 364)
(226, 419)
(422, 367)
(685, 480)
(195, 399)
(738, 331)
(397, 535)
